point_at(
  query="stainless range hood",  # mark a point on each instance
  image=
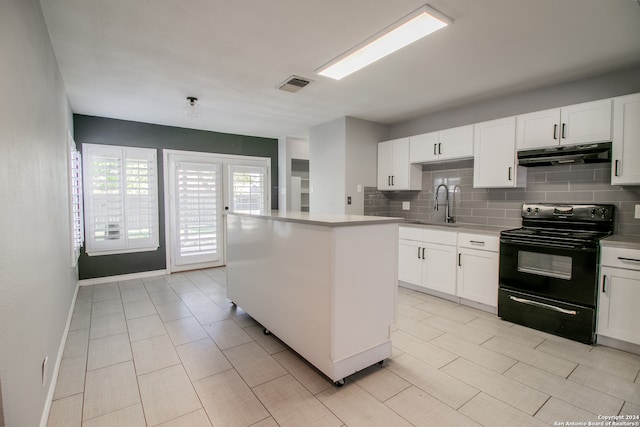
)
(560, 155)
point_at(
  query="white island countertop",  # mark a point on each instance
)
(328, 220)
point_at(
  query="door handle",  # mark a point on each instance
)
(459, 259)
(434, 150)
(439, 148)
(616, 168)
(604, 284)
(543, 305)
(423, 253)
(555, 131)
(509, 174)
(418, 253)
(392, 177)
(389, 180)
(564, 127)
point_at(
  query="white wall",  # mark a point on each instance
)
(362, 139)
(599, 87)
(327, 167)
(342, 155)
(37, 283)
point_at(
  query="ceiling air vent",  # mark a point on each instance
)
(294, 84)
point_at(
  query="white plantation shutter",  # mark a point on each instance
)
(197, 204)
(75, 190)
(248, 189)
(121, 199)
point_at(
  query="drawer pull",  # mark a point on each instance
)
(543, 305)
(476, 242)
(628, 259)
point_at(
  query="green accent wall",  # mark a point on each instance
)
(100, 130)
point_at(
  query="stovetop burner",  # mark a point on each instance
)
(575, 224)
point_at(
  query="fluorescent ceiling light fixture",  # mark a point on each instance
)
(407, 30)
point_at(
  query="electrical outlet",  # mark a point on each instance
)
(348, 200)
(637, 214)
(406, 206)
(45, 370)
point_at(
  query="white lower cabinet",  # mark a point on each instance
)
(618, 314)
(427, 259)
(477, 278)
(432, 261)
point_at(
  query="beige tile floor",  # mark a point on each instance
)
(173, 351)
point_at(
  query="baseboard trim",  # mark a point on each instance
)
(618, 344)
(54, 375)
(122, 277)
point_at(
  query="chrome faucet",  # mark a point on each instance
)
(447, 218)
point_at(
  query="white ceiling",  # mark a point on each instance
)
(139, 59)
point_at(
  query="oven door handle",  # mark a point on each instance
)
(543, 305)
(541, 245)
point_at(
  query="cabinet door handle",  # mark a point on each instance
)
(423, 253)
(459, 259)
(564, 127)
(476, 242)
(439, 148)
(418, 253)
(434, 150)
(616, 168)
(509, 174)
(389, 180)
(392, 178)
(628, 259)
(604, 283)
(555, 131)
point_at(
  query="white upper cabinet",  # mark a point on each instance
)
(494, 152)
(394, 170)
(584, 123)
(625, 168)
(448, 144)
(423, 148)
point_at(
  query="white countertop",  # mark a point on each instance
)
(621, 241)
(328, 220)
(460, 228)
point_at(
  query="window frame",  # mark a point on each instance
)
(76, 200)
(105, 234)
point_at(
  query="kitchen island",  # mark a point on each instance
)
(324, 284)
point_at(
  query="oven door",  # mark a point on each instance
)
(550, 270)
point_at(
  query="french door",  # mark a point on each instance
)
(198, 188)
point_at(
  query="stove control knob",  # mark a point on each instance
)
(537, 210)
(603, 213)
(529, 210)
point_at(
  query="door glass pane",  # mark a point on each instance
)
(545, 264)
(248, 189)
(197, 210)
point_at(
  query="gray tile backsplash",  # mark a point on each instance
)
(500, 207)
